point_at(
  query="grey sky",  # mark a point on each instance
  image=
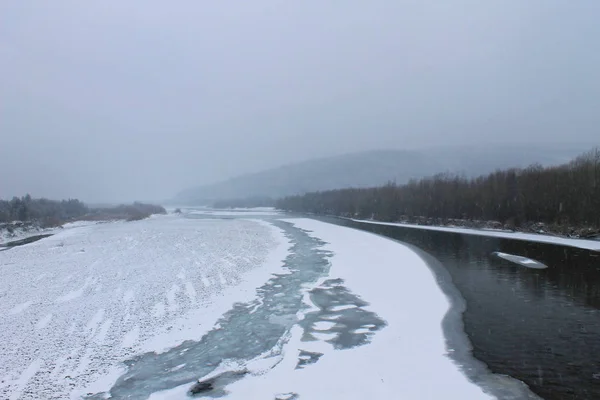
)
(118, 100)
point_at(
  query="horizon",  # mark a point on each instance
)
(583, 148)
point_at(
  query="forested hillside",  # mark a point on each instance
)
(373, 168)
(566, 195)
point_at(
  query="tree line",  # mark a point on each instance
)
(129, 212)
(564, 195)
(26, 208)
(54, 212)
(247, 202)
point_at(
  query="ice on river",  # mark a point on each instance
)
(520, 260)
(405, 359)
(75, 305)
(531, 237)
(357, 316)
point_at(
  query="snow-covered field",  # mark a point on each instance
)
(22, 233)
(347, 315)
(76, 304)
(18, 233)
(531, 237)
(238, 212)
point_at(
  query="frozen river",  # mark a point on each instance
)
(266, 307)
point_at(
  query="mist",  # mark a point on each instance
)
(116, 101)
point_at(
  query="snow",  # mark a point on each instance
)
(532, 237)
(361, 330)
(74, 294)
(323, 325)
(25, 376)
(405, 355)
(524, 261)
(343, 307)
(77, 304)
(131, 338)
(19, 308)
(23, 233)
(79, 224)
(187, 326)
(44, 322)
(407, 359)
(237, 213)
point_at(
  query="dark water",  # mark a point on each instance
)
(21, 242)
(541, 326)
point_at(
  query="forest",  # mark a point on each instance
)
(566, 195)
(247, 202)
(48, 213)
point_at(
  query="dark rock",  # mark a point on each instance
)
(306, 358)
(216, 384)
(589, 233)
(287, 396)
(202, 387)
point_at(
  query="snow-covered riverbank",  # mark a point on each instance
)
(142, 308)
(532, 237)
(407, 359)
(76, 304)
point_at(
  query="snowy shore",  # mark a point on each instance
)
(532, 237)
(405, 359)
(365, 322)
(402, 358)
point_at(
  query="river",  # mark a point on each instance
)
(541, 326)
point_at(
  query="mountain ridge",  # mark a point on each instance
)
(375, 167)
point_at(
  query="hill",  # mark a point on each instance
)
(373, 168)
(563, 199)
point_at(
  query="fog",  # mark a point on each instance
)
(121, 100)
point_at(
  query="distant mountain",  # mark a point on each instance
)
(377, 167)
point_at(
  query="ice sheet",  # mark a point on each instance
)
(533, 237)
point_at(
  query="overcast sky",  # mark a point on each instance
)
(119, 100)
